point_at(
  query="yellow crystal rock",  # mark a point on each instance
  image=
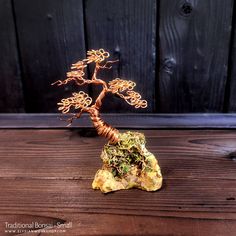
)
(128, 164)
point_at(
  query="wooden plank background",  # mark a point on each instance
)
(11, 90)
(51, 38)
(231, 88)
(180, 53)
(194, 43)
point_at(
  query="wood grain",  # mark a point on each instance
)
(194, 48)
(46, 175)
(51, 38)
(11, 93)
(127, 29)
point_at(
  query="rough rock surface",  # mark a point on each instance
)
(128, 164)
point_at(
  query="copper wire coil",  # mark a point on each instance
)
(103, 128)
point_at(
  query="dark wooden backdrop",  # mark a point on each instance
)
(181, 53)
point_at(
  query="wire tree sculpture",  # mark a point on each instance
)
(81, 102)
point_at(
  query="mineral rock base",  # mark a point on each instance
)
(128, 164)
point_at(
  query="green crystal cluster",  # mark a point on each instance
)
(128, 152)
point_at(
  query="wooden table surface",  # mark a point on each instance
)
(46, 177)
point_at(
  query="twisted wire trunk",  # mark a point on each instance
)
(102, 127)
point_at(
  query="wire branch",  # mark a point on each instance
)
(75, 116)
(107, 63)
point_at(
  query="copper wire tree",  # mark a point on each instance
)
(81, 101)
